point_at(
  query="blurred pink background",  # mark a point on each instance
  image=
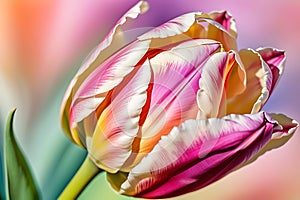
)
(42, 42)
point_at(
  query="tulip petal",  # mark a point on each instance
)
(118, 124)
(226, 20)
(113, 41)
(199, 152)
(217, 32)
(263, 70)
(65, 114)
(176, 74)
(195, 25)
(107, 76)
(215, 83)
(288, 125)
(107, 47)
(285, 131)
(275, 59)
(173, 27)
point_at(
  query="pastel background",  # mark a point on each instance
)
(42, 43)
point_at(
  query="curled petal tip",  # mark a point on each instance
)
(286, 125)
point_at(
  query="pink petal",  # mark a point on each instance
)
(118, 125)
(198, 153)
(176, 74)
(276, 60)
(107, 76)
(226, 20)
(214, 29)
(284, 131)
(107, 47)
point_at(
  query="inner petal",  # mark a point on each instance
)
(258, 87)
(216, 84)
(176, 74)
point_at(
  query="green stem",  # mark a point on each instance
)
(84, 175)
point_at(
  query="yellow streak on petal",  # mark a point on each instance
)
(75, 136)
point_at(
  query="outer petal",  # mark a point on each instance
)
(216, 83)
(108, 75)
(275, 59)
(260, 83)
(107, 47)
(197, 153)
(194, 25)
(113, 41)
(118, 125)
(285, 131)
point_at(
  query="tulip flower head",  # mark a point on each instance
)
(176, 108)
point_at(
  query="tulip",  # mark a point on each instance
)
(176, 108)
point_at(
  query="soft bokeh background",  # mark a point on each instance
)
(43, 42)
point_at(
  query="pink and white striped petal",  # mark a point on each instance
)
(221, 27)
(285, 130)
(173, 27)
(215, 83)
(118, 125)
(185, 160)
(226, 20)
(176, 74)
(112, 43)
(275, 59)
(107, 76)
(195, 25)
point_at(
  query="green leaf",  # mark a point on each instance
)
(2, 188)
(19, 181)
